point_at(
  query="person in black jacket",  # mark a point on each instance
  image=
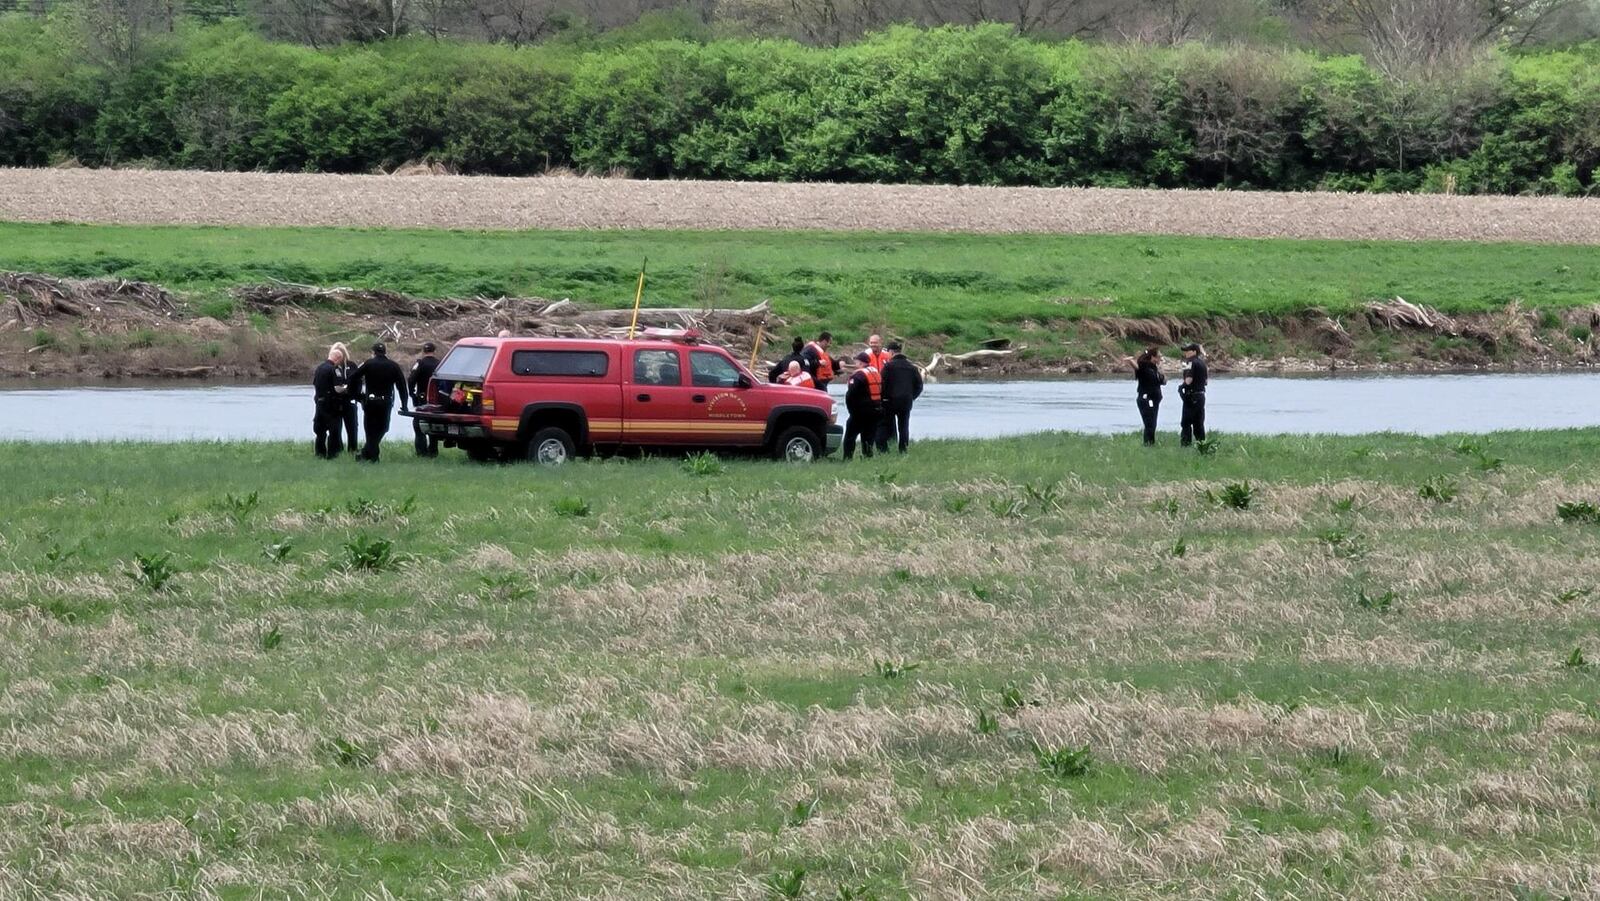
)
(330, 389)
(380, 379)
(781, 368)
(1147, 372)
(421, 373)
(902, 385)
(863, 398)
(815, 359)
(1193, 393)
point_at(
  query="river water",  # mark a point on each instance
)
(1422, 404)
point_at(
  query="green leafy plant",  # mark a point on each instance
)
(979, 593)
(370, 554)
(572, 507)
(1439, 489)
(987, 723)
(894, 669)
(1064, 763)
(58, 555)
(704, 463)
(1237, 495)
(1578, 512)
(887, 478)
(956, 504)
(901, 574)
(1208, 447)
(1576, 660)
(1012, 699)
(1566, 597)
(1487, 463)
(1180, 548)
(152, 571)
(347, 752)
(506, 586)
(271, 638)
(801, 812)
(1382, 603)
(787, 885)
(238, 507)
(1008, 507)
(278, 551)
(1046, 498)
(1342, 541)
(1346, 504)
(1468, 447)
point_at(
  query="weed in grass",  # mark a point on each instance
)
(58, 555)
(1180, 548)
(1576, 660)
(1012, 698)
(371, 554)
(956, 504)
(1346, 504)
(1343, 541)
(240, 507)
(1566, 597)
(1382, 603)
(1235, 496)
(506, 587)
(1008, 507)
(1168, 507)
(1487, 463)
(1439, 489)
(368, 508)
(704, 463)
(1336, 757)
(270, 638)
(894, 669)
(854, 893)
(979, 593)
(801, 812)
(572, 507)
(987, 723)
(887, 478)
(901, 575)
(1208, 447)
(1468, 447)
(1046, 498)
(152, 571)
(347, 752)
(278, 551)
(1361, 452)
(1064, 763)
(787, 885)
(1578, 511)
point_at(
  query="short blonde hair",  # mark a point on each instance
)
(339, 348)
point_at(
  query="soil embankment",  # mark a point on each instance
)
(115, 329)
(141, 197)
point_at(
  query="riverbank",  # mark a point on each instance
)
(1048, 665)
(1058, 303)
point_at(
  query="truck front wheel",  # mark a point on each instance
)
(551, 446)
(797, 444)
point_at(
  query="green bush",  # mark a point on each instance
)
(954, 105)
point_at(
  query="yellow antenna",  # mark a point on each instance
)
(638, 296)
(760, 327)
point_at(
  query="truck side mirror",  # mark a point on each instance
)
(744, 381)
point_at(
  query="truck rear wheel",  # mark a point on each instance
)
(551, 446)
(797, 444)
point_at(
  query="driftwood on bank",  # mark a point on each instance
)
(970, 357)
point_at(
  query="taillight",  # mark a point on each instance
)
(433, 391)
(488, 400)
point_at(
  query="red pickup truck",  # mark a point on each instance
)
(549, 399)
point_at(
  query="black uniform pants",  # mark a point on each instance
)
(863, 424)
(347, 412)
(327, 424)
(427, 445)
(1193, 426)
(895, 424)
(377, 423)
(1148, 407)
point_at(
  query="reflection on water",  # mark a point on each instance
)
(1424, 404)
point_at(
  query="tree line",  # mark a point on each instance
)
(954, 105)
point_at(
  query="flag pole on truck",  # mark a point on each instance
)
(756, 349)
(637, 297)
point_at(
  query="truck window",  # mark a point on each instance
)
(584, 363)
(465, 363)
(712, 370)
(657, 367)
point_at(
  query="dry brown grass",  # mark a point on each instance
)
(446, 201)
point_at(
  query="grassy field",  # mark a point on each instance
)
(959, 289)
(1047, 667)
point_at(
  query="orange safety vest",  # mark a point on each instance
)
(803, 380)
(824, 363)
(874, 382)
(880, 358)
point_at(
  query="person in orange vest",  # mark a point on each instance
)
(863, 398)
(880, 357)
(797, 377)
(817, 361)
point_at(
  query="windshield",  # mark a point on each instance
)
(465, 363)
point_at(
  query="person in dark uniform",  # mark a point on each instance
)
(863, 398)
(1147, 372)
(1193, 394)
(780, 369)
(421, 373)
(380, 379)
(902, 385)
(347, 375)
(329, 388)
